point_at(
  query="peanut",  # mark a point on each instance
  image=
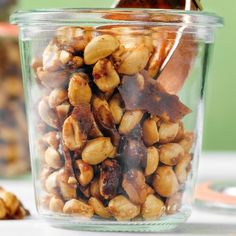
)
(57, 97)
(99, 48)
(153, 208)
(165, 181)
(171, 153)
(174, 203)
(97, 150)
(116, 109)
(56, 204)
(168, 132)
(11, 202)
(129, 121)
(150, 132)
(123, 209)
(51, 139)
(182, 169)
(77, 207)
(3, 209)
(53, 159)
(94, 189)
(99, 208)
(187, 141)
(152, 161)
(51, 183)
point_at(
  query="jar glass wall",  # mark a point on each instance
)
(115, 110)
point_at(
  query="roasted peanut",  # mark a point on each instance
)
(187, 142)
(95, 132)
(94, 189)
(65, 57)
(135, 186)
(165, 181)
(53, 159)
(51, 183)
(152, 161)
(56, 204)
(123, 209)
(153, 208)
(57, 97)
(84, 172)
(68, 191)
(180, 134)
(3, 209)
(45, 172)
(97, 150)
(116, 109)
(168, 132)
(77, 207)
(131, 61)
(182, 169)
(99, 48)
(79, 91)
(52, 139)
(99, 208)
(171, 153)
(47, 114)
(11, 202)
(174, 203)
(62, 112)
(74, 37)
(105, 76)
(129, 121)
(150, 132)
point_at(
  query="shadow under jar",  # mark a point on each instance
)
(115, 142)
(14, 149)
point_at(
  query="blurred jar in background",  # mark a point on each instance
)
(14, 154)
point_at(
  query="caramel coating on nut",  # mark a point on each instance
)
(77, 207)
(153, 208)
(99, 208)
(97, 150)
(171, 153)
(152, 161)
(165, 181)
(168, 132)
(150, 132)
(79, 91)
(105, 76)
(135, 186)
(123, 209)
(100, 47)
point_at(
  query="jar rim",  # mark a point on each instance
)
(152, 17)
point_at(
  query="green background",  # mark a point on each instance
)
(220, 127)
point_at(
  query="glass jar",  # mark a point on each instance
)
(14, 154)
(115, 110)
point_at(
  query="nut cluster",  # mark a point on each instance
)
(110, 138)
(10, 207)
(14, 156)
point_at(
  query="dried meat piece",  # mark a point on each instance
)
(151, 98)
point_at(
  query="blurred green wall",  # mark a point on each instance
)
(220, 127)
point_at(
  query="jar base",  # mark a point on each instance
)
(164, 224)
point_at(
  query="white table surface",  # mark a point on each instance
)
(213, 166)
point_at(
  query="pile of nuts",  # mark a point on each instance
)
(10, 207)
(110, 137)
(14, 154)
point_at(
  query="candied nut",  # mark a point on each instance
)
(56, 204)
(84, 172)
(51, 183)
(11, 202)
(168, 132)
(99, 48)
(53, 79)
(68, 191)
(36, 63)
(129, 121)
(95, 131)
(116, 109)
(134, 184)
(123, 209)
(187, 141)
(105, 76)
(180, 134)
(3, 209)
(109, 178)
(97, 150)
(77, 207)
(79, 91)
(45, 172)
(153, 208)
(174, 203)
(131, 61)
(47, 114)
(74, 37)
(99, 208)
(57, 97)
(62, 112)
(94, 189)
(53, 159)
(65, 57)
(165, 181)
(76, 62)
(183, 168)
(52, 139)
(171, 153)
(150, 132)
(152, 161)
(85, 190)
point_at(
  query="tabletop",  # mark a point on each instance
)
(213, 166)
